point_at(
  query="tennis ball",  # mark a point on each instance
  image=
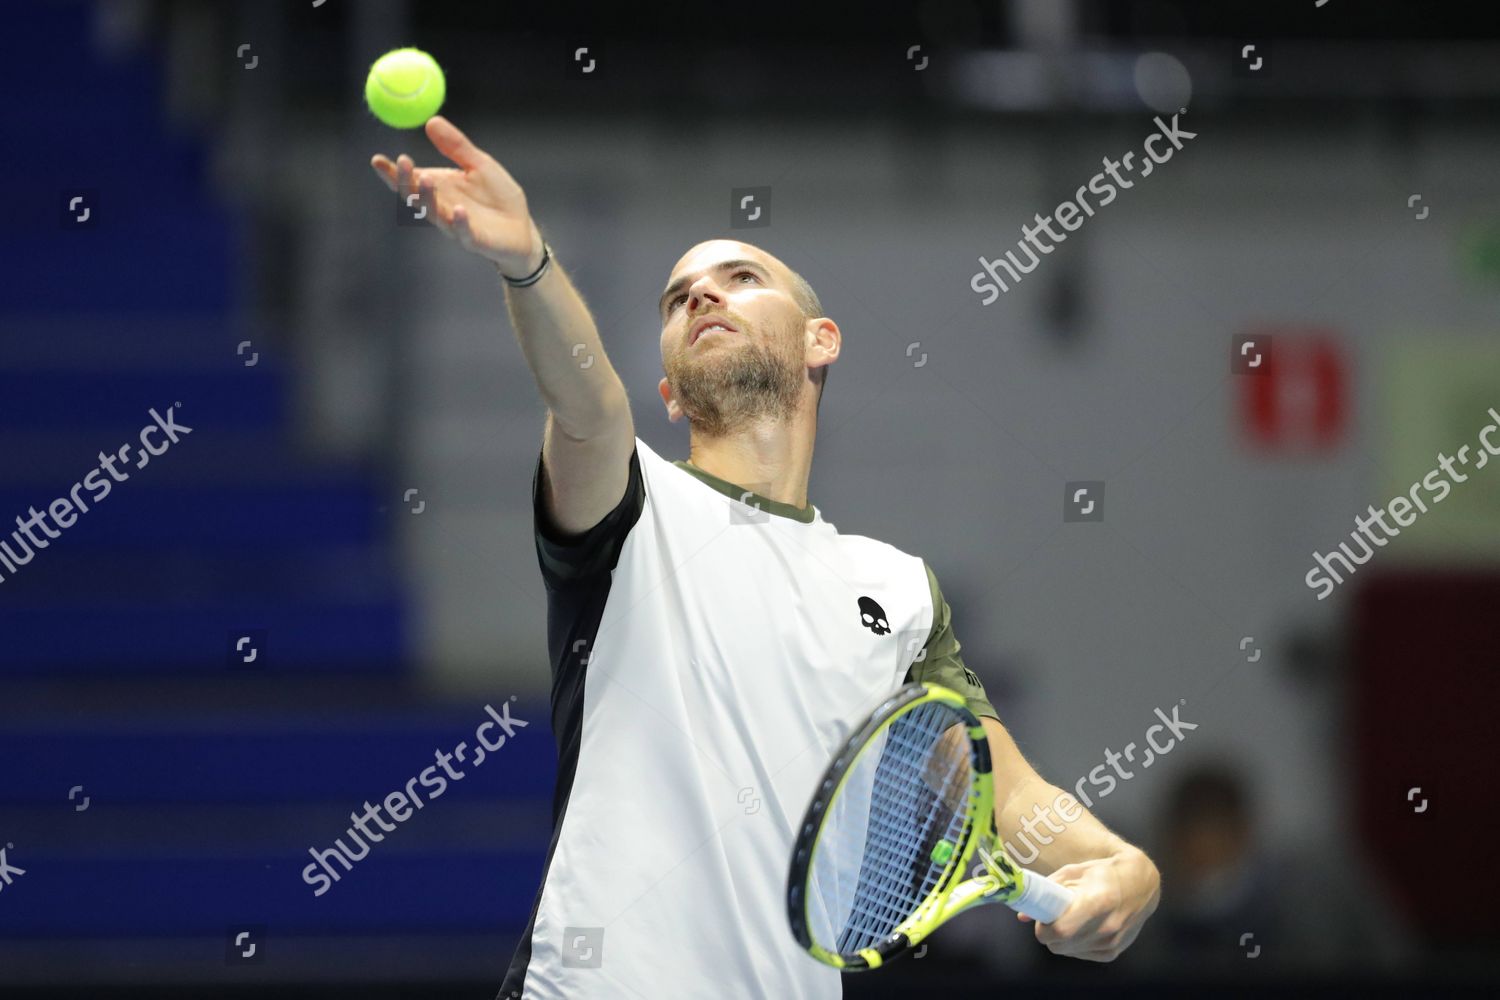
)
(942, 852)
(405, 88)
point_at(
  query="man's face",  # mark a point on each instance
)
(755, 366)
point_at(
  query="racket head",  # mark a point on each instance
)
(891, 829)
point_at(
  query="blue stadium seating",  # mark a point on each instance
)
(232, 530)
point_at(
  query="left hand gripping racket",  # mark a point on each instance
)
(882, 858)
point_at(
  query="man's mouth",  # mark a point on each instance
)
(708, 325)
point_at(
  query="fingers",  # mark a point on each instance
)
(406, 169)
(454, 144)
(1064, 929)
(1096, 940)
(385, 169)
(1081, 929)
(417, 189)
(457, 147)
(460, 229)
(1089, 950)
(427, 198)
(1068, 874)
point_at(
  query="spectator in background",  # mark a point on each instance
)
(1232, 904)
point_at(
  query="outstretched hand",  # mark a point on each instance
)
(477, 202)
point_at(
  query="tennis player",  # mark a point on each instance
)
(710, 633)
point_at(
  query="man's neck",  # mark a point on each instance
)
(773, 459)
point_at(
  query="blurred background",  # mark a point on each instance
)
(329, 578)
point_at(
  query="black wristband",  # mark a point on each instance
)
(534, 276)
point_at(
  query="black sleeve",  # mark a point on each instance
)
(568, 558)
(940, 661)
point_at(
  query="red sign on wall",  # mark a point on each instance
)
(1294, 388)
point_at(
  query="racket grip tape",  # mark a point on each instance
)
(1041, 898)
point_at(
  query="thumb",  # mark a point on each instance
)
(1068, 874)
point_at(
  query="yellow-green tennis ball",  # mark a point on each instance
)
(405, 88)
(942, 851)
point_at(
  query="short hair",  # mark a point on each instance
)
(806, 299)
(812, 308)
(1215, 792)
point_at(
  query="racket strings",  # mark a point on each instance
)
(917, 786)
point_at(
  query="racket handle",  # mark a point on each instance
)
(1041, 898)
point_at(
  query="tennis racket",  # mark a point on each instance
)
(884, 854)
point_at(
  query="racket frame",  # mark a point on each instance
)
(951, 894)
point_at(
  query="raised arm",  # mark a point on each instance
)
(589, 433)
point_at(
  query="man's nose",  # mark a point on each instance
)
(704, 291)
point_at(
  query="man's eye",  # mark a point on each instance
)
(740, 274)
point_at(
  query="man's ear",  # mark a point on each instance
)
(674, 411)
(825, 341)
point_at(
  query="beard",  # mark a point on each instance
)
(728, 386)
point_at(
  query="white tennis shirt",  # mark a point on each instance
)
(708, 657)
